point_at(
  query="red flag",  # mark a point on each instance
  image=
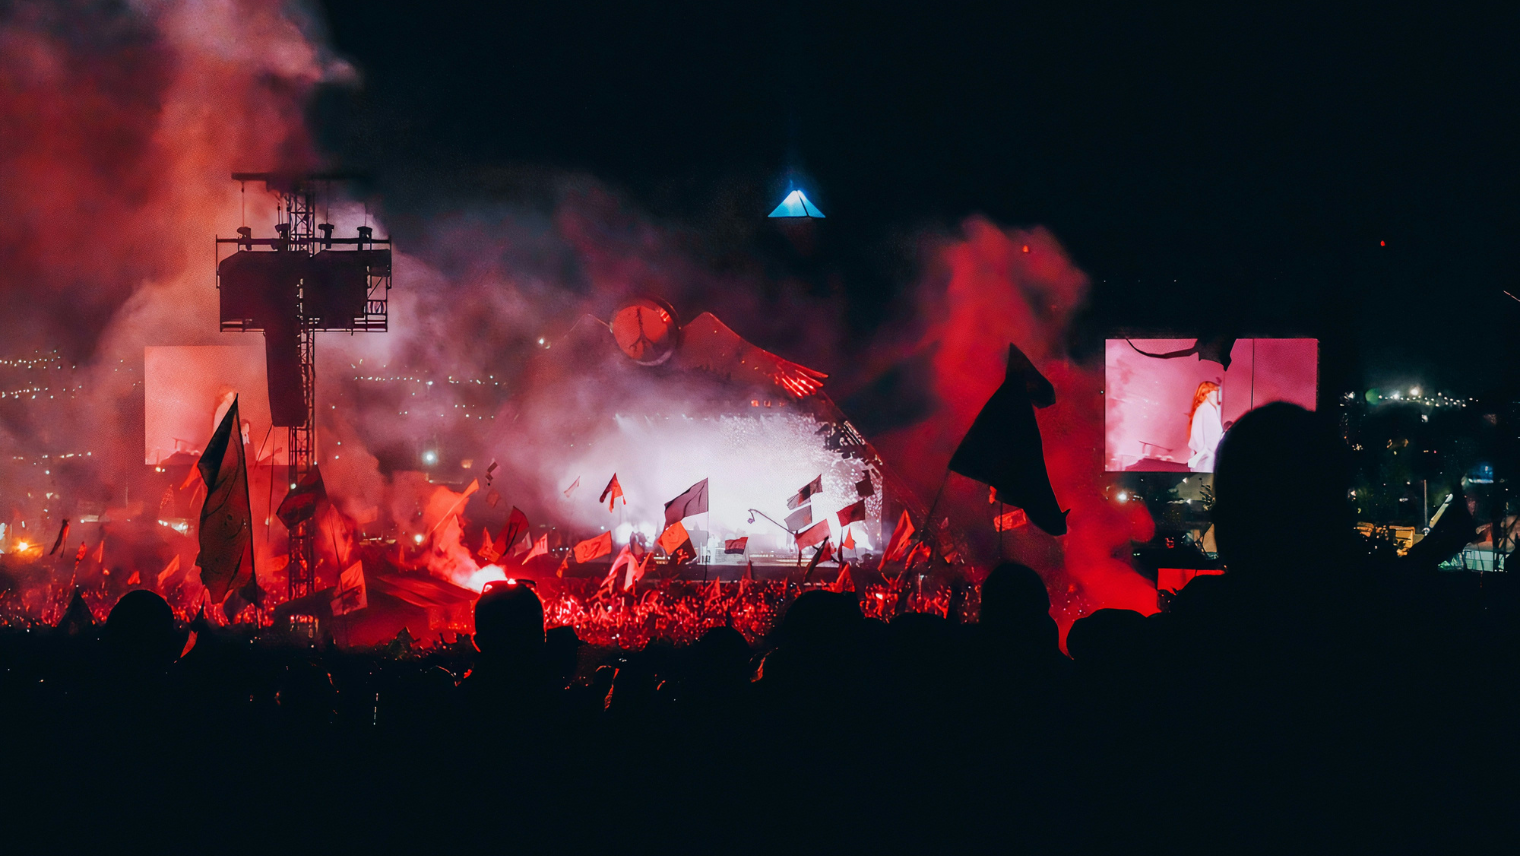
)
(135, 579)
(573, 485)
(190, 476)
(843, 583)
(100, 552)
(674, 535)
(749, 572)
(626, 559)
(563, 566)
(488, 549)
(736, 546)
(714, 591)
(611, 493)
(849, 540)
(517, 526)
(168, 573)
(593, 548)
(920, 550)
(540, 548)
(80, 553)
(815, 535)
(899, 543)
(226, 532)
(492, 497)
(352, 595)
(852, 513)
(301, 502)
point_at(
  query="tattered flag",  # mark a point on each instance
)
(611, 492)
(63, 535)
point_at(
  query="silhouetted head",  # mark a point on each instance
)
(720, 660)
(509, 622)
(1279, 488)
(1013, 594)
(821, 618)
(140, 628)
(1015, 612)
(1108, 638)
(562, 652)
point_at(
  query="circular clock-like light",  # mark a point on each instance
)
(646, 330)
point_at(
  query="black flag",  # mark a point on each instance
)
(1003, 447)
(226, 532)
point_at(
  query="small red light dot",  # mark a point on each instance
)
(1026, 248)
(1382, 243)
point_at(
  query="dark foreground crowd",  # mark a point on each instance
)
(1313, 698)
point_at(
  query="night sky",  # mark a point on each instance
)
(1211, 167)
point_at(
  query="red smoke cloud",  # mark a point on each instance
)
(982, 291)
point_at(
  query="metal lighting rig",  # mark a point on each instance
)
(290, 287)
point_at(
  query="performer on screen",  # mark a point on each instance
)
(1206, 427)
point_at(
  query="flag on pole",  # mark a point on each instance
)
(573, 485)
(564, 565)
(818, 555)
(749, 577)
(226, 531)
(898, 546)
(516, 528)
(540, 548)
(807, 492)
(852, 514)
(63, 535)
(676, 542)
(100, 552)
(135, 579)
(488, 549)
(625, 559)
(352, 595)
(692, 501)
(849, 540)
(1003, 446)
(301, 502)
(168, 573)
(593, 548)
(843, 582)
(736, 546)
(191, 476)
(611, 492)
(714, 591)
(815, 535)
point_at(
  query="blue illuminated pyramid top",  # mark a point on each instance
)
(796, 204)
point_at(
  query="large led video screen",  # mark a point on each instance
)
(1168, 402)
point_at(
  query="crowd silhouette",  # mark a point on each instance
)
(1315, 696)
